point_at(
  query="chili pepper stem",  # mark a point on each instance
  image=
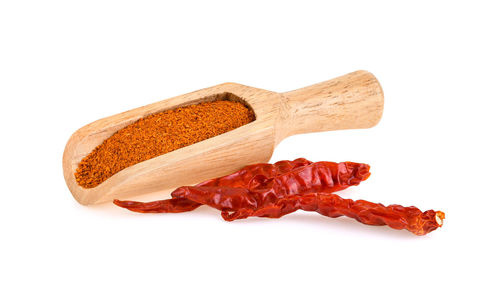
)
(440, 216)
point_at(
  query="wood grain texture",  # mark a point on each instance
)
(348, 102)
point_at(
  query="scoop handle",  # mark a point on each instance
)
(352, 101)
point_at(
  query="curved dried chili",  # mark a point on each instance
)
(240, 178)
(274, 190)
(331, 205)
(260, 184)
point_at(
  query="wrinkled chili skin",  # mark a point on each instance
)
(259, 184)
(248, 174)
(237, 179)
(331, 205)
(260, 191)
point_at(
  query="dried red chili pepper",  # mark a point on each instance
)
(240, 178)
(261, 184)
(259, 190)
(266, 190)
(395, 216)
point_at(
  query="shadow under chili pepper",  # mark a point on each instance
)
(340, 225)
(345, 224)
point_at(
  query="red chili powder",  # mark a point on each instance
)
(158, 134)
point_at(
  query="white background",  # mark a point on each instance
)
(64, 64)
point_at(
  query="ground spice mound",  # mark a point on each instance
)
(158, 134)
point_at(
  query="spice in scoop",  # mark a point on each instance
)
(160, 133)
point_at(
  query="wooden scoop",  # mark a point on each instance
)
(352, 101)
